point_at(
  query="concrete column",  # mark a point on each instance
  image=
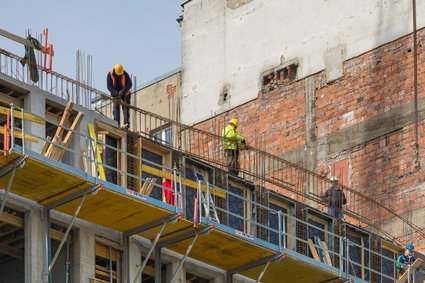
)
(34, 246)
(83, 255)
(36, 104)
(181, 275)
(135, 259)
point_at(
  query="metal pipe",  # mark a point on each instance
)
(6, 193)
(67, 263)
(145, 261)
(184, 258)
(66, 233)
(262, 272)
(110, 265)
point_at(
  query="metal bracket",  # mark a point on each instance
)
(155, 223)
(266, 261)
(164, 221)
(10, 168)
(90, 190)
(80, 194)
(195, 233)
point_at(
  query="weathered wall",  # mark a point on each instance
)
(161, 96)
(227, 45)
(365, 118)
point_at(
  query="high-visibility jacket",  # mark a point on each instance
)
(117, 83)
(231, 138)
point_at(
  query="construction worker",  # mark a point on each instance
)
(407, 258)
(233, 143)
(335, 199)
(119, 84)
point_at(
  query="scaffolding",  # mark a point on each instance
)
(76, 192)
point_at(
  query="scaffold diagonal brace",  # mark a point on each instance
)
(195, 234)
(71, 197)
(266, 261)
(10, 168)
(164, 221)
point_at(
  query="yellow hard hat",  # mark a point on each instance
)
(234, 122)
(119, 69)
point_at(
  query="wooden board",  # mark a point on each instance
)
(313, 250)
(328, 260)
(405, 275)
(100, 168)
(27, 116)
(18, 134)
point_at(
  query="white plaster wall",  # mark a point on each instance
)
(224, 47)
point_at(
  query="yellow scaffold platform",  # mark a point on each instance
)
(45, 181)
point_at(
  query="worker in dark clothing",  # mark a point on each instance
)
(407, 258)
(119, 84)
(233, 143)
(335, 199)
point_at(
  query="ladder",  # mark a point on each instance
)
(212, 211)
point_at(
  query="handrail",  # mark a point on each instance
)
(283, 217)
(257, 165)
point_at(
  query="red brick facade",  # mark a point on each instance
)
(372, 83)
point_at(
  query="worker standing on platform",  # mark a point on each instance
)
(233, 143)
(119, 84)
(335, 199)
(407, 258)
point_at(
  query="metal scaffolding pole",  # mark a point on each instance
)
(266, 261)
(10, 168)
(80, 194)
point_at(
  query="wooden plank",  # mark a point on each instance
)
(185, 182)
(12, 220)
(21, 40)
(13, 252)
(67, 140)
(417, 263)
(58, 235)
(59, 131)
(9, 100)
(145, 185)
(150, 187)
(46, 145)
(18, 134)
(328, 260)
(99, 156)
(313, 250)
(27, 116)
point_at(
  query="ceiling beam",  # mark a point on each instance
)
(10, 251)
(9, 99)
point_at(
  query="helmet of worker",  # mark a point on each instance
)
(334, 179)
(410, 248)
(234, 122)
(119, 69)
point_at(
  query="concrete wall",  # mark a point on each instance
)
(227, 45)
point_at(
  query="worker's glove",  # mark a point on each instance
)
(244, 142)
(121, 94)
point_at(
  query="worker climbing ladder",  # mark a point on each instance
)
(206, 198)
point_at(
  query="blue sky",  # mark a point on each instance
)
(143, 35)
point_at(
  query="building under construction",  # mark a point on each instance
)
(83, 200)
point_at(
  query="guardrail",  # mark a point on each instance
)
(258, 166)
(286, 239)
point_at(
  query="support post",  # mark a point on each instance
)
(80, 194)
(158, 264)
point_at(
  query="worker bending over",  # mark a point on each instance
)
(233, 143)
(119, 85)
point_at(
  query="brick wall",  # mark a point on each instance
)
(376, 82)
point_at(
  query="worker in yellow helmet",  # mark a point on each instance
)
(233, 143)
(119, 84)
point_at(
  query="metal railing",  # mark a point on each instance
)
(287, 238)
(258, 166)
